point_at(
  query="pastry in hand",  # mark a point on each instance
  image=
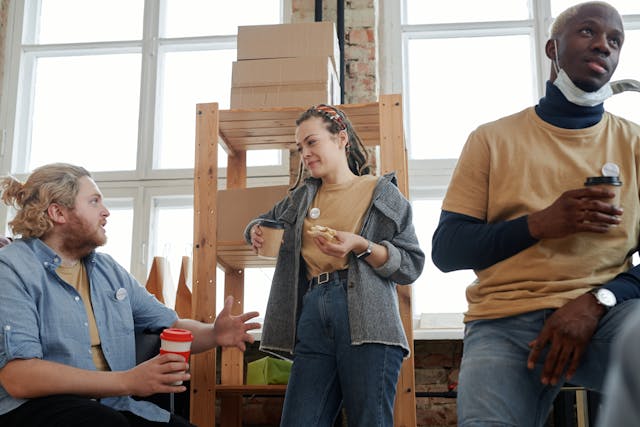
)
(322, 231)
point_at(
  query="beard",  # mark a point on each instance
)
(81, 237)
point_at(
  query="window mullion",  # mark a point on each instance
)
(542, 18)
(148, 96)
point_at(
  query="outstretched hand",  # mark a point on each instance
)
(568, 332)
(585, 209)
(232, 331)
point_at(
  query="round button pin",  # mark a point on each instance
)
(610, 169)
(121, 294)
(314, 213)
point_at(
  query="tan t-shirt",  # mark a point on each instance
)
(521, 164)
(342, 207)
(77, 277)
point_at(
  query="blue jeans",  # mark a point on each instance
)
(328, 370)
(495, 387)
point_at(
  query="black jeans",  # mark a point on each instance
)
(77, 411)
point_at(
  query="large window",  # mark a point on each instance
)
(112, 85)
(462, 63)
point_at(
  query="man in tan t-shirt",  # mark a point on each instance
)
(552, 257)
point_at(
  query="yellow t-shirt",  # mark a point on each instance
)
(521, 164)
(77, 277)
(342, 207)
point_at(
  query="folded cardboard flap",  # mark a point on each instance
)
(268, 370)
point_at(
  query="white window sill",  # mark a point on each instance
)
(429, 326)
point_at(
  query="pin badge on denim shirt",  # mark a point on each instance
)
(121, 294)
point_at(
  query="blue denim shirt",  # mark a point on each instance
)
(43, 317)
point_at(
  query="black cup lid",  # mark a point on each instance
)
(600, 180)
(271, 223)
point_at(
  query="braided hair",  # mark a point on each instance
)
(336, 120)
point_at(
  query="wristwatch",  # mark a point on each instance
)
(366, 252)
(604, 297)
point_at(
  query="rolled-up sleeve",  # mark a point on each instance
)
(19, 337)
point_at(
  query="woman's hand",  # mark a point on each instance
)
(340, 246)
(256, 237)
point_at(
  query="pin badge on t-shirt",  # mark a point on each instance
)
(314, 213)
(121, 294)
(610, 169)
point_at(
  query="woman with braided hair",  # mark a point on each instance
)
(333, 300)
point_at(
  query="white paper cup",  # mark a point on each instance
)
(177, 341)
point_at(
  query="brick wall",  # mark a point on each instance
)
(361, 52)
(437, 364)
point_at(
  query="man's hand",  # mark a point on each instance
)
(157, 375)
(230, 330)
(568, 331)
(585, 209)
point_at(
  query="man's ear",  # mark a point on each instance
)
(57, 213)
(550, 49)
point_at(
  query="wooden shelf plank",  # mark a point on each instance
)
(248, 390)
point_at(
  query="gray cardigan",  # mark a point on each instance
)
(374, 315)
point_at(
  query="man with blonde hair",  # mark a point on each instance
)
(68, 315)
(552, 256)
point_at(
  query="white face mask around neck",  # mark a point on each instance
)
(573, 93)
(578, 96)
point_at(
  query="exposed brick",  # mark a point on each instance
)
(359, 4)
(431, 376)
(437, 416)
(360, 18)
(360, 36)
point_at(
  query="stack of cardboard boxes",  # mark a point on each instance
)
(286, 65)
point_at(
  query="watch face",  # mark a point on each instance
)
(606, 297)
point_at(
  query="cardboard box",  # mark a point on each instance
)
(236, 207)
(281, 71)
(285, 95)
(289, 41)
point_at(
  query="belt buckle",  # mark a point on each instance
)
(323, 278)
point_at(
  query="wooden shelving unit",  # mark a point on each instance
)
(236, 131)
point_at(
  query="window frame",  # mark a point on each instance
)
(144, 182)
(429, 178)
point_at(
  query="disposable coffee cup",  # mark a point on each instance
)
(610, 182)
(272, 232)
(178, 341)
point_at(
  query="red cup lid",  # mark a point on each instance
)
(175, 334)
